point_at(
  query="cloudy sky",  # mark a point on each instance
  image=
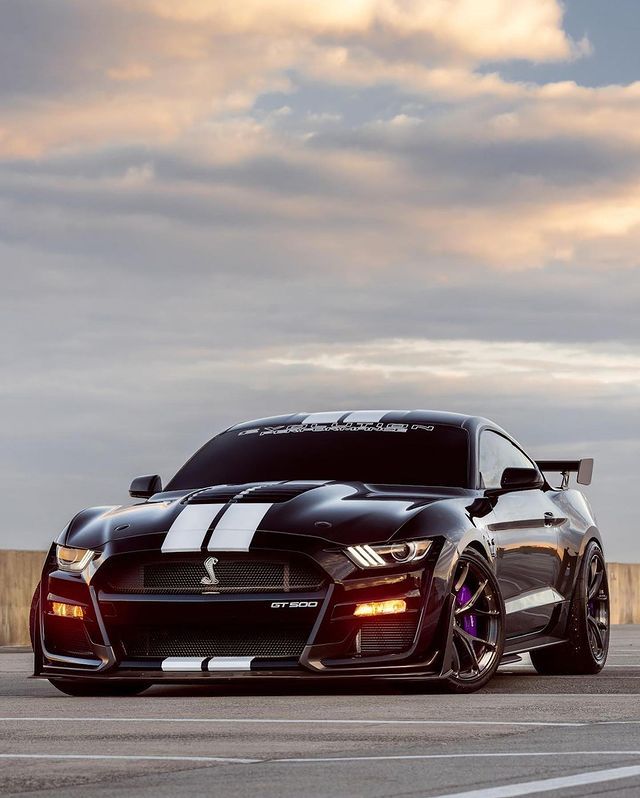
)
(213, 211)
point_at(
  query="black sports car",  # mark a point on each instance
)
(411, 545)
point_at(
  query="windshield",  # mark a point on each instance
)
(388, 454)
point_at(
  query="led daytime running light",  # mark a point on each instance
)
(389, 554)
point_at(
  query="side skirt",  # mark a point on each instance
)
(520, 646)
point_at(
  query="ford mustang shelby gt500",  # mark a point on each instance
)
(412, 545)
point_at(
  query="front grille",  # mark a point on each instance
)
(386, 635)
(177, 575)
(197, 642)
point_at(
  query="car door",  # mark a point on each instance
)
(525, 527)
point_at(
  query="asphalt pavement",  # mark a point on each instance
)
(522, 735)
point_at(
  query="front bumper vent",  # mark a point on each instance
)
(386, 635)
(195, 642)
(67, 636)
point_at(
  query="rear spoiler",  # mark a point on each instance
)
(583, 468)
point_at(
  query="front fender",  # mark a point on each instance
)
(80, 521)
(592, 533)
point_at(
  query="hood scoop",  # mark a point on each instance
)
(271, 492)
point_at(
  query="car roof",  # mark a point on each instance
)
(373, 416)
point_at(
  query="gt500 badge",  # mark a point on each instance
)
(293, 605)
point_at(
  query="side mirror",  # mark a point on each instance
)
(144, 487)
(521, 478)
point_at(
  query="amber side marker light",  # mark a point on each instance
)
(390, 607)
(66, 610)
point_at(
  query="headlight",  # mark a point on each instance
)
(389, 553)
(74, 560)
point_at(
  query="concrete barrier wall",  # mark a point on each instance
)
(20, 571)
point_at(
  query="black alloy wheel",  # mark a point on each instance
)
(587, 645)
(478, 624)
(597, 608)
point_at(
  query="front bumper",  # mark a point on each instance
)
(301, 634)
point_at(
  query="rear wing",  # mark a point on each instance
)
(583, 468)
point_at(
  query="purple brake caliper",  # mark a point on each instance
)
(469, 620)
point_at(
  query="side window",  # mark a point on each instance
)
(496, 454)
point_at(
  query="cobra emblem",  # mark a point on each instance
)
(210, 578)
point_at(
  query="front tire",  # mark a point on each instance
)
(34, 617)
(478, 624)
(89, 688)
(585, 652)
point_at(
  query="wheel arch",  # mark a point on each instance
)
(591, 535)
(477, 546)
(478, 541)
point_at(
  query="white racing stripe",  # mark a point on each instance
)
(188, 530)
(324, 418)
(230, 663)
(549, 785)
(183, 664)
(367, 416)
(235, 530)
(179, 664)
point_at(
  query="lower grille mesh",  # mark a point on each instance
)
(195, 642)
(67, 636)
(386, 635)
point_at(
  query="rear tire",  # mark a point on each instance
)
(585, 651)
(89, 688)
(478, 624)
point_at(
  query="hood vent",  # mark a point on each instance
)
(220, 493)
(273, 493)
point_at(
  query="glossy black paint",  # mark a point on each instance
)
(532, 534)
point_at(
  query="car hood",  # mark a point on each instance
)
(344, 513)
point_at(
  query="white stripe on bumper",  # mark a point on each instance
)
(188, 530)
(190, 664)
(182, 663)
(230, 663)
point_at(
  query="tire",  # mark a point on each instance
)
(478, 624)
(585, 651)
(84, 687)
(88, 687)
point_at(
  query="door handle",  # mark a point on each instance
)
(549, 519)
